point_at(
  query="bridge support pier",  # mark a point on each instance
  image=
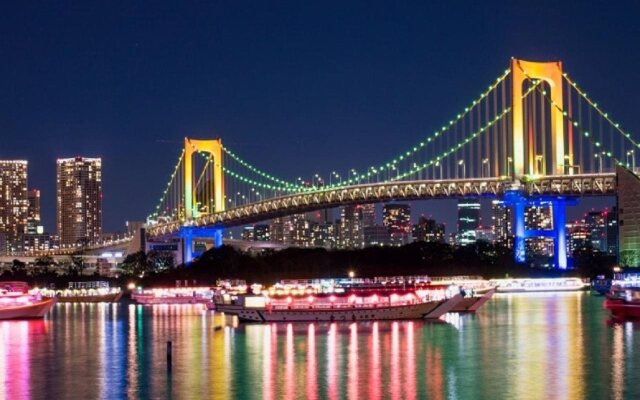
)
(558, 233)
(189, 233)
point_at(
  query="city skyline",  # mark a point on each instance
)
(363, 92)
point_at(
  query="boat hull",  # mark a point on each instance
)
(37, 309)
(472, 304)
(107, 298)
(623, 309)
(429, 310)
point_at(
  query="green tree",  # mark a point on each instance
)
(136, 264)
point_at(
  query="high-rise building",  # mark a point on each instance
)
(351, 233)
(397, 219)
(261, 233)
(33, 212)
(612, 231)
(79, 198)
(14, 204)
(248, 234)
(368, 215)
(301, 233)
(468, 220)
(596, 224)
(376, 235)
(324, 235)
(280, 229)
(502, 223)
(428, 230)
(539, 216)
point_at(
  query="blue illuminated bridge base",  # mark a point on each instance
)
(189, 233)
(520, 202)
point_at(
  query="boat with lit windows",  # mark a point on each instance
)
(352, 303)
(623, 301)
(85, 292)
(526, 285)
(17, 303)
(177, 295)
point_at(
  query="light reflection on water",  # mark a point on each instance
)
(517, 346)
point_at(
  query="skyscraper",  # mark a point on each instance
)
(468, 220)
(79, 198)
(14, 204)
(428, 230)
(351, 234)
(368, 215)
(33, 212)
(397, 219)
(502, 223)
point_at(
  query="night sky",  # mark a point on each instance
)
(297, 88)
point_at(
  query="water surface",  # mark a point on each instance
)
(517, 346)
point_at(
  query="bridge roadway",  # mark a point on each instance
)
(602, 184)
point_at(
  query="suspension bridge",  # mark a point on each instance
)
(532, 134)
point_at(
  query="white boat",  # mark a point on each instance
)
(538, 285)
(183, 295)
(372, 303)
(17, 303)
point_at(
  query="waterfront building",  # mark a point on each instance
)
(428, 230)
(324, 235)
(485, 234)
(540, 217)
(468, 220)
(612, 231)
(301, 233)
(368, 215)
(502, 223)
(14, 204)
(351, 233)
(261, 233)
(376, 235)
(33, 212)
(280, 229)
(579, 239)
(397, 219)
(79, 200)
(248, 233)
(596, 224)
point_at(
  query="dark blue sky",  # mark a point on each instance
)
(295, 87)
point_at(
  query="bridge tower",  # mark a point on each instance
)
(551, 73)
(212, 147)
(523, 164)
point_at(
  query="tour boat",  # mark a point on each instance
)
(473, 301)
(361, 303)
(623, 301)
(538, 285)
(85, 292)
(17, 303)
(180, 295)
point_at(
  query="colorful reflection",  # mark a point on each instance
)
(518, 346)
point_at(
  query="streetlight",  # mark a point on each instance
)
(485, 162)
(633, 159)
(509, 162)
(599, 157)
(464, 170)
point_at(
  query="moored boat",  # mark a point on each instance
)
(85, 292)
(526, 285)
(17, 303)
(473, 302)
(182, 295)
(623, 301)
(352, 304)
